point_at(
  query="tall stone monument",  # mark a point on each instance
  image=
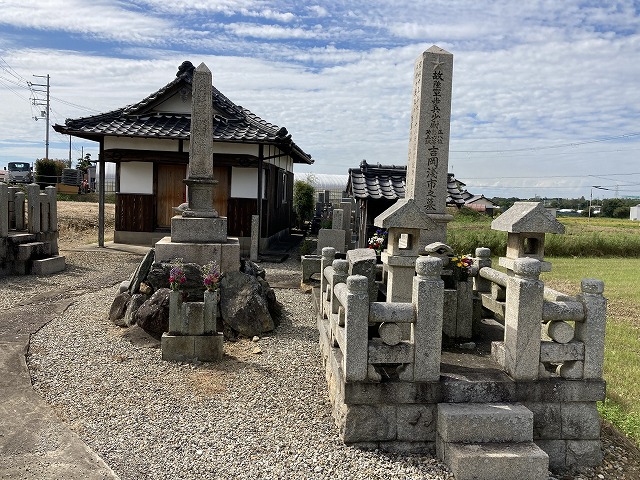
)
(199, 234)
(420, 218)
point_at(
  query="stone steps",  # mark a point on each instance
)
(489, 442)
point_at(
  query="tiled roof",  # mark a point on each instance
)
(232, 123)
(389, 182)
(377, 181)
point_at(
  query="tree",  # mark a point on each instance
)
(303, 193)
(84, 163)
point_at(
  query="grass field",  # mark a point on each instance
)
(607, 249)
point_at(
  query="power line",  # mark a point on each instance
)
(548, 147)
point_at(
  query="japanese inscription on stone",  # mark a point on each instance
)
(428, 160)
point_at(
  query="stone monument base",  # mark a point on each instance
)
(198, 229)
(226, 255)
(187, 348)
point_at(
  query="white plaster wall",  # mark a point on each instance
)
(136, 177)
(141, 144)
(244, 182)
(175, 104)
(634, 213)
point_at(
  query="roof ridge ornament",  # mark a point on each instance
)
(187, 68)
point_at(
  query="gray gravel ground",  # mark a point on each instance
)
(249, 416)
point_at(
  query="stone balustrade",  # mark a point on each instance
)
(345, 303)
(29, 231)
(572, 335)
(35, 212)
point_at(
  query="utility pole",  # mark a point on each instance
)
(43, 114)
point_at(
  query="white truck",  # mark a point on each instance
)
(18, 172)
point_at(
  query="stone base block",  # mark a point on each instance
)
(227, 255)
(484, 423)
(310, 266)
(497, 461)
(198, 230)
(47, 266)
(189, 348)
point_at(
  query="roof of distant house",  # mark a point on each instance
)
(389, 181)
(232, 123)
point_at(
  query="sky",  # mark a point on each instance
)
(546, 94)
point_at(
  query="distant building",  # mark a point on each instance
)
(634, 212)
(376, 187)
(149, 144)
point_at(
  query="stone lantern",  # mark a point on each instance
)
(526, 224)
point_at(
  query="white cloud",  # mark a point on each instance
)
(275, 31)
(526, 75)
(317, 11)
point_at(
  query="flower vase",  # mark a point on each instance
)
(211, 299)
(175, 311)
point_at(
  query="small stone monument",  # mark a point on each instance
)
(526, 224)
(420, 218)
(198, 235)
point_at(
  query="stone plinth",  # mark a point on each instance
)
(227, 255)
(192, 330)
(198, 229)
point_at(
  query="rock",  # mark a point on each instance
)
(153, 315)
(132, 307)
(253, 269)
(255, 338)
(140, 338)
(257, 350)
(158, 277)
(118, 308)
(145, 288)
(243, 305)
(141, 272)
(124, 286)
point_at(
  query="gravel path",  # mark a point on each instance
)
(249, 416)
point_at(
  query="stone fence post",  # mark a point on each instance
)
(592, 330)
(356, 352)
(328, 256)
(44, 212)
(426, 330)
(4, 210)
(523, 320)
(53, 208)
(18, 210)
(481, 260)
(340, 273)
(33, 199)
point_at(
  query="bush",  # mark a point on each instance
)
(303, 203)
(49, 171)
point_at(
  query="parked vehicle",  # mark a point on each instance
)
(18, 172)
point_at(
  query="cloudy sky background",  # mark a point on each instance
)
(546, 94)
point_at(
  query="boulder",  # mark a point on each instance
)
(158, 277)
(153, 314)
(243, 305)
(137, 300)
(118, 308)
(141, 272)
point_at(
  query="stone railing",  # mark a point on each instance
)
(345, 303)
(38, 214)
(571, 339)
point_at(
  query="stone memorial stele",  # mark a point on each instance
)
(199, 234)
(420, 218)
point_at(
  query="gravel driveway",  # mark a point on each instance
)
(252, 415)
